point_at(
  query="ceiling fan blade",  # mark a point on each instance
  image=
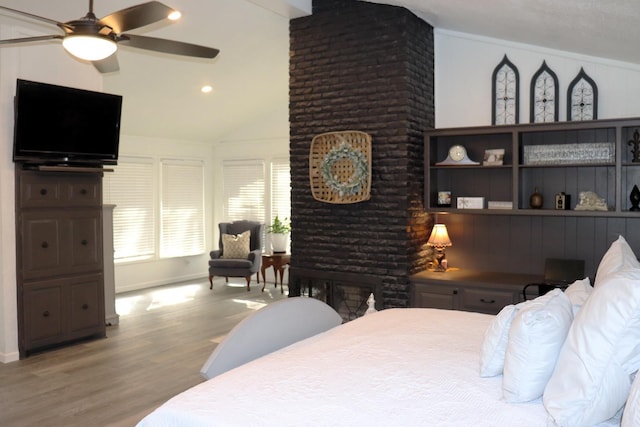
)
(136, 16)
(30, 39)
(167, 46)
(30, 15)
(107, 65)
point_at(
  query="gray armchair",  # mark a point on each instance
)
(219, 266)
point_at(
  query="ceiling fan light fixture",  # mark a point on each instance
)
(89, 47)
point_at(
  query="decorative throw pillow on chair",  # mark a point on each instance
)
(236, 246)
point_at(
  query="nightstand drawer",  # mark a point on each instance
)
(435, 296)
(485, 300)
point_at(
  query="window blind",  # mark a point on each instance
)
(280, 189)
(182, 208)
(244, 190)
(130, 188)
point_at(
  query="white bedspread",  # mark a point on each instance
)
(403, 367)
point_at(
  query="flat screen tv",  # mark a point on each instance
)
(65, 126)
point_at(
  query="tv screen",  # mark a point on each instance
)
(62, 125)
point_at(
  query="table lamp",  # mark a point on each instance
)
(439, 240)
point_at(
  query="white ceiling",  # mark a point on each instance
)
(607, 29)
(250, 76)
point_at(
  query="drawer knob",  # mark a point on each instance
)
(85, 306)
(491, 301)
(44, 245)
(83, 191)
(43, 191)
(84, 242)
(45, 313)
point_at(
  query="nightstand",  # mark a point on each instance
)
(469, 290)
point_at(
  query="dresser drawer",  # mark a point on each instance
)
(56, 242)
(42, 315)
(86, 306)
(62, 310)
(39, 189)
(485, 300)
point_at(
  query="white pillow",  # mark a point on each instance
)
(535, 339)
(631, 415)
(619, 256)
(578, 292)
(495, 341)
(591, 380)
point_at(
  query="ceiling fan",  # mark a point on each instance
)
(96, 40)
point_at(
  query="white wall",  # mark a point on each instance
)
(464, 64)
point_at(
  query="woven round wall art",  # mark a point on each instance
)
(340, 167)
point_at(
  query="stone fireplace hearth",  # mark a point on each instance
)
(368, 67)
(346, 293)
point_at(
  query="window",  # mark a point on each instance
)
(182, 209)
(280, 189)
(133, 188)
(244, 190)
(130, 188)
(246, 195)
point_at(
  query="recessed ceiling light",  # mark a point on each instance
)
(175, 15)
(206, 89)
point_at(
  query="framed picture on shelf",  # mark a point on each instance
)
(493, 157)
(444, 199)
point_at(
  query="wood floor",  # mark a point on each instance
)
(164, 336)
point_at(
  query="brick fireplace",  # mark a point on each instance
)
(368, 67)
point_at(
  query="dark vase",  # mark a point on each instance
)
(536, 200)
(635, 199)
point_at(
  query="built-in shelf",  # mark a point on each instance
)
(515, 181)
(537, 212)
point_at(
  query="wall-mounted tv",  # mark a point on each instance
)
(63, 125)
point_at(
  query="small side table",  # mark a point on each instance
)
(278, 262)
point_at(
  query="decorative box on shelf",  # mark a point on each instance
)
(559, 154)
(470, 202)
(491, 204)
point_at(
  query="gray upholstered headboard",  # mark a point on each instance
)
(271, 328)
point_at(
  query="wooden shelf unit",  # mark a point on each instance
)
(515, 181)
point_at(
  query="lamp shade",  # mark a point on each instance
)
(439, 236)
(89, 47)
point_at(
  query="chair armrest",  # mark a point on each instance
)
(215, 254)
(255, 254)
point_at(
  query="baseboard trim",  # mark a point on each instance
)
(154, 283)
(9, 357)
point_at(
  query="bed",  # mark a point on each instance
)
(414, 366)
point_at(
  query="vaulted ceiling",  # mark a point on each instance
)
(250, 76)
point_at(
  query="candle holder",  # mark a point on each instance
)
(634, 197)
(636, 146)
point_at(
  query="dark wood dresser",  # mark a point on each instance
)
(59, 257)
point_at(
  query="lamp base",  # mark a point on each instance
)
(441, 263)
